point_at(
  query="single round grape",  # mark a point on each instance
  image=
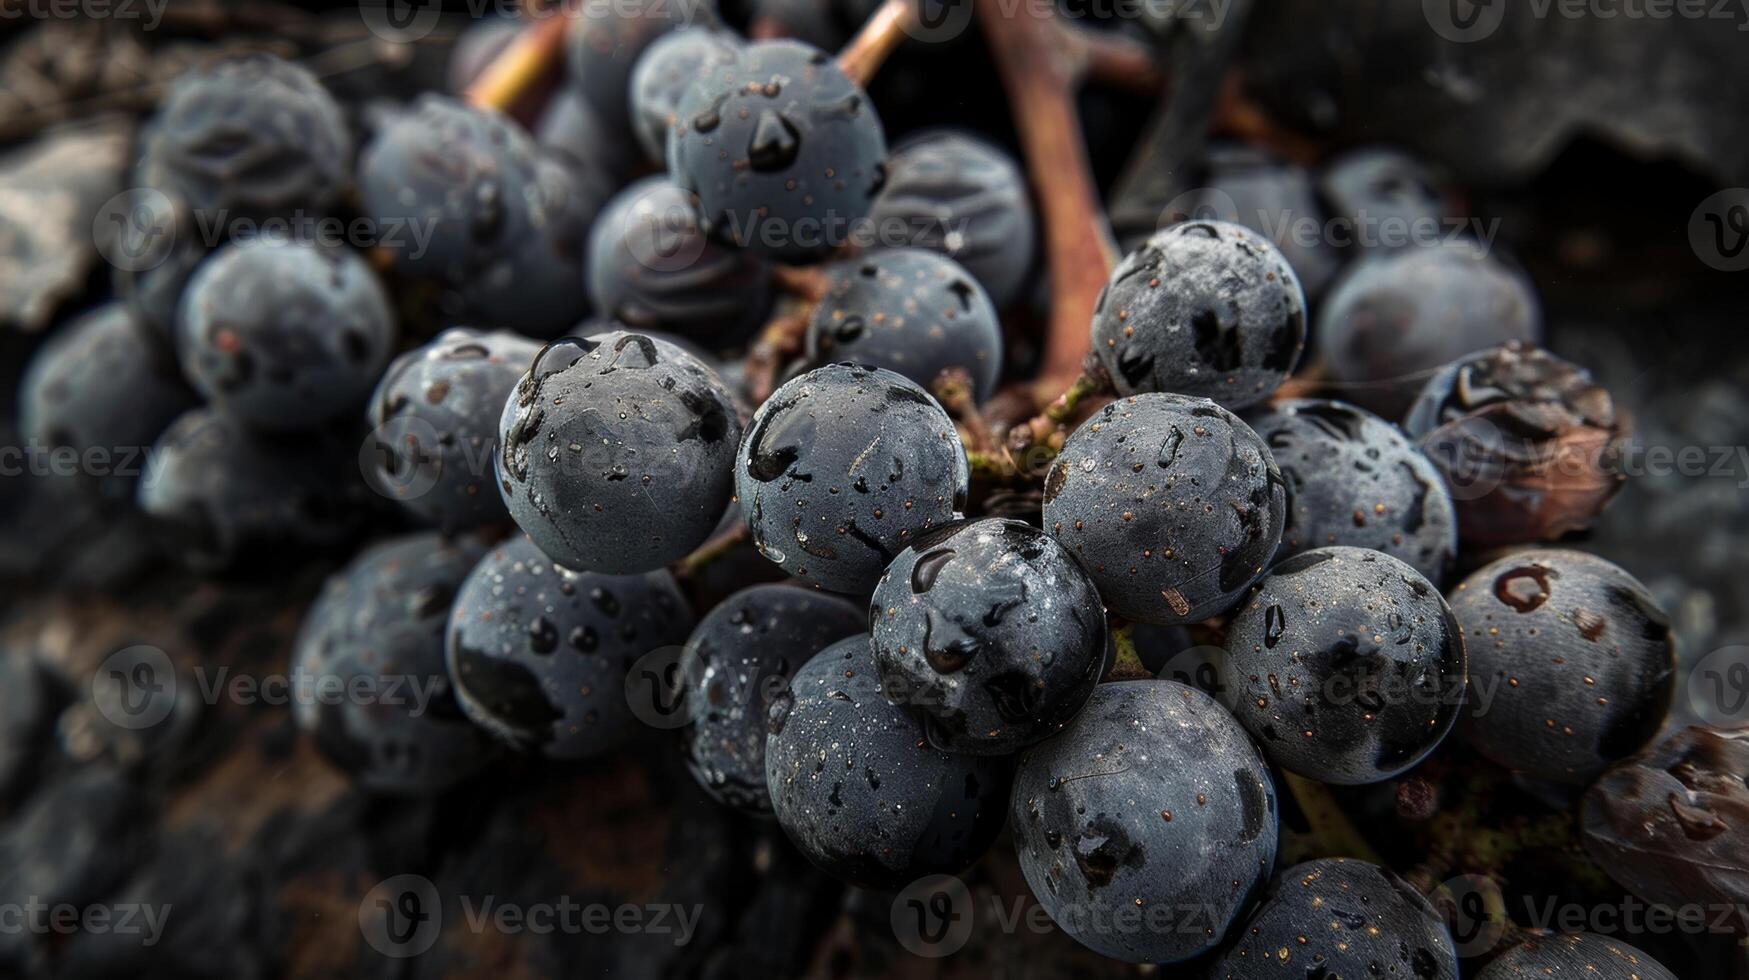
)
(858, 789)
(1353, 479)
(225, 497)
(841, 467)
(1276, 200)
(616, 452)
(1346, 665)
(783, 150)
(652, 267)
(1148, 825)
(912, 311)
(572, 131)
(992, 630)
(540, 653)
(464, 199)
(1340, 917)
(660, 79)
(369, 674)
(1204, 308)
(951, 192)
(604, 42)
(1172, 503)
(737, 663)
(1574, 956)
(103, 387)
(1390, 199)
(286, 335)
(253, 135)
(1571, 663)
(1395, 317)
(435, 415)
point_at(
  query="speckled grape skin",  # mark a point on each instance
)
(1204, 308)
(1355, 479)
(1172, 503)
(1574, 956)
(380, 621)
(661, 77)
(784, 151)
(858, 789)
(251, 136)
(102, 382)
(953, 193)
(737, 661)
(652, 268)
(1152, 802)
(452, 390)
(840, 468)
(1340, 917)
(994, 631)
(540, 653)
(1395, 316)
(1346, 665)
(615, 452)
(1572, 664)
(225, 497)
(286, 335)
(911, 311)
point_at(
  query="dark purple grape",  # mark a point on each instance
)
(911, 311)
(571, 130)
(368, 675)
(249, 136)
(652, 268)
(1577, 955)
(1276, 200)
(1340, 917)
(841, 467)
(1205, 308)
(1571, 664)
(1172, 503)
(737, 663)
(286, 335)
(435, 417)
(783, 150)
(539, 653)
(1353, 479)
(605, 40)
(105, 388)
(951, 192)
(1147, 826)
(857, 787)
(661, 77)
(1388, 198)
(225, 497)
(992, 631)
(616, 452)
(1393, 318)
(1346, 665)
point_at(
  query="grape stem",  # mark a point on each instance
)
(807, 282)
(783, 338)
(1335, 834)
(1113, 59)
(523, 64)
(954, 389)
(883, 31)
(710, 551)
(1126, 665)
(1038, 431)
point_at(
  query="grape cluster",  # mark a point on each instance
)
(628, 450)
